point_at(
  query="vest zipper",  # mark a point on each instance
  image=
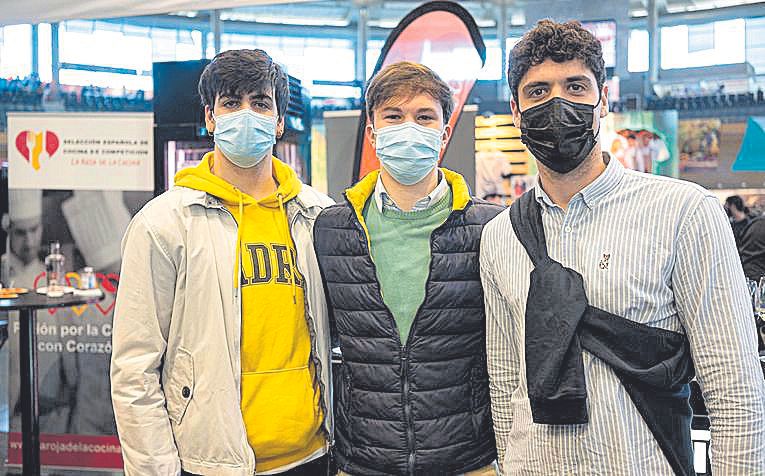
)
(404, 362)
(405, 357)
(407, 410)
(404, 346)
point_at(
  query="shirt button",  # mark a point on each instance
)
(186, 392)
(568, 229)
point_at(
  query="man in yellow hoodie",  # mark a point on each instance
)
(220, 335)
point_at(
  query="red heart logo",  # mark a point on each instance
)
(21, 144)
(108, 283)
(51, 143)
(33, 155)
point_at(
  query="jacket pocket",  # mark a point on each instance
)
(180, 386)
(346, 404)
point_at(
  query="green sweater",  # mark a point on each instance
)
(400, 248)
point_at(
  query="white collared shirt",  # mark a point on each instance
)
(384, 201)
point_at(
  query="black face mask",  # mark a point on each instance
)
(559, 133)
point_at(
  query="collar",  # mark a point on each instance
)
(358, 194)
(594, 192)
(384, 201)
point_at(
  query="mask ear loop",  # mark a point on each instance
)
(600, 100)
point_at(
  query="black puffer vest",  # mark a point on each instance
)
(419, 407)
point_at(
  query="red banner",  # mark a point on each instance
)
(71, 451)
(444, 37)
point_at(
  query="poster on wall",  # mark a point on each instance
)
(751, 155)
(643, 141)
(699, 144)
(77, 428)
(81, 151)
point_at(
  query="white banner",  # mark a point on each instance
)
(81, 151)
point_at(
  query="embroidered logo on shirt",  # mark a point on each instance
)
(604, 262)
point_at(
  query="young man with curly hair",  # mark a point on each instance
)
(605, 288)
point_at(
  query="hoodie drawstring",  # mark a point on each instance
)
(289, 250)
(237, 268)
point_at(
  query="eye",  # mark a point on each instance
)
(425, 118)
(536, 92)
(577, 87)
(392, 117)
(262, 105)
(231, 104)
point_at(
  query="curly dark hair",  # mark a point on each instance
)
(559, 42)
(238, 72)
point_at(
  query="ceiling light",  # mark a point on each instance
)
(305, 21)
(390, 24)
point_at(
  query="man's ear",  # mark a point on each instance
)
(369, 131)
(605, 108)
(446, 135)
(280, 127)
(516, 113)
(209, 121)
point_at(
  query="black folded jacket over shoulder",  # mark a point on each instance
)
(653, 365)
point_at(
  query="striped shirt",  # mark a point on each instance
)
(654, 250)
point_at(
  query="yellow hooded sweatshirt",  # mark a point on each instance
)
(280, 401)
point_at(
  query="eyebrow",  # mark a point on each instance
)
(573, 79)
(533, 85)
(570, 79)
(252, 96)
(419, 111)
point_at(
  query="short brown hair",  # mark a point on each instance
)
(406, 80)
(235, 73)
(560, 42)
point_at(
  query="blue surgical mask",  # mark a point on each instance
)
(245, 137)
(408, 151)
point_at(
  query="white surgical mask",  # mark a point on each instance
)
(245, 137)
(408, 151)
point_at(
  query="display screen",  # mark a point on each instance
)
(182, 154)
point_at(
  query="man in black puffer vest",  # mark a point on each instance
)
(400, 263)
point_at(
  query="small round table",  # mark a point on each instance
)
(27, 304)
